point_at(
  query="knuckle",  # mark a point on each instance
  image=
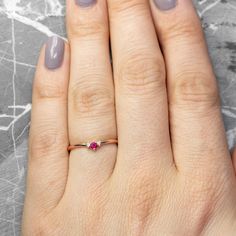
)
(182, 29)
(50, 226)
(203, 192)
(45, 88)
(118, 6)
(39, 229)
(141, 187)
(142, 74)
(92, 100)
(45, 141)
(206, 188)
(193, 88)
(93, 29)
(98, 195)
(142, 196)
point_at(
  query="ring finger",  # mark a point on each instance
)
(91, 95)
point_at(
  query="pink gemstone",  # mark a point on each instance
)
(94, 146)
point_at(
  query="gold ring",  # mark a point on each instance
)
(94, 145)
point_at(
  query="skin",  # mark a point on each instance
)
(171, 173)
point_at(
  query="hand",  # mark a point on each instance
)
(171, 173)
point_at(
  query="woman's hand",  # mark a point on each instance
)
(171, 173)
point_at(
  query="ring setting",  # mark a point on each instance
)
(94, 145)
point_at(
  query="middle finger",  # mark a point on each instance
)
(141, 98)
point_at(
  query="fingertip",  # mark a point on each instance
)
(52, 72)
(54, 54)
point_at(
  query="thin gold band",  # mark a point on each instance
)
(94, 145)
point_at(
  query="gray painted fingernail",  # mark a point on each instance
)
(85, 3)
(165, 5)
(54, 53)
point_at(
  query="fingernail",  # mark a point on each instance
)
(54, 53)
(85, 3)
(165, 5)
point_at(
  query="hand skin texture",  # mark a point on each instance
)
(171, 173)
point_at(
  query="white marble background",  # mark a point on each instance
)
(24, 27)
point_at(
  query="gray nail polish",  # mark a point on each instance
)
(54, 53)
(165, 5)
(85, 3)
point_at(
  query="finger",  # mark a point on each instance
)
(195, 118)
(91, 95)
(139, 74)
(48, 156)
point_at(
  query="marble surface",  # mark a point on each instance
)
(24, 27)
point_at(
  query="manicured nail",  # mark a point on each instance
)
(85, 3)
(165, 5)
(54, 53)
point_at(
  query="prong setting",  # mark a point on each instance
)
(94, 145)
